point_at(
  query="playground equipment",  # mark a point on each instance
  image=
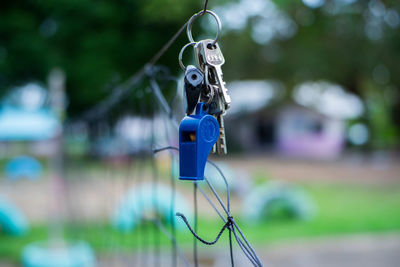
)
(47, 254)
(18, 124)
(277, 200)
(23, 167)
(12, 220)
(141, 201)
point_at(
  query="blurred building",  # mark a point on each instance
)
(273, 122)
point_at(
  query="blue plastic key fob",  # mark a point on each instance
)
(197, 135)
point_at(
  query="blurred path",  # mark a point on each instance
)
(85, 195)
(347, 251)
(348, 168)
(350, 251)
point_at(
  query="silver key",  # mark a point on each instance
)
(212, 56)
(221, 142)
(217, 109)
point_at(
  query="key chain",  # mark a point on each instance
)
(203, 132)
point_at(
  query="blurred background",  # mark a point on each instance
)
(312, 132)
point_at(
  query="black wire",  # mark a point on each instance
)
(172, 218)
(156, 233)
(117, 95)
(205, 7)
(231, 246)
(172, 236)
(174, 252)
(121, 90)
(164, 74)
(195, 257)
(144, 232)
(229, 223)
(226, 225)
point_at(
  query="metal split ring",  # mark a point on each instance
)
(181, 55)
(193, 18)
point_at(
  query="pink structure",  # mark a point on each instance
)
(304, 132)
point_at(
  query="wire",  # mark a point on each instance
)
(120, 91)
(196, 260)
(205, 7)
(244, 245)
(164, 49)
(161, 227)
(118, 94)
(226, 226)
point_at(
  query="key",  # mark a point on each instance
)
(212, 56)
(221, 142)
(214, 106)
(217, 108)
(193, 85)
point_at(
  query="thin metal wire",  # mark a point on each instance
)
(142, 234)
(164, 49)
(162, 101)
(161, 227)
(231, 246)
(228, 191)
(205, 7)
(245, 247)
(171, 236)
(120, 91)
(174, 254)
(250, 253)
(212, 204)
(196, 260)
(172, 219)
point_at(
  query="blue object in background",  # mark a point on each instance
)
(140, 201)
(61, 254)
(12, 220)
(23, 167)
(17, 124)
(197, 135)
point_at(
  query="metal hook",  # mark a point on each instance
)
(193, 18)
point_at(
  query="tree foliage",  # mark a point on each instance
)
(101, 43)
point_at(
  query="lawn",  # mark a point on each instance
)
(343, 208)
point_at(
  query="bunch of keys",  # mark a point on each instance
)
(205, 83)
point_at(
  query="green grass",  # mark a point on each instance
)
(342, 209)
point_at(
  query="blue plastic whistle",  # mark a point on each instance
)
(197, 135)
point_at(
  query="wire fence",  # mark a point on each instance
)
(151, 75)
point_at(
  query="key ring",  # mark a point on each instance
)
(193, 18)
(181, 55)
